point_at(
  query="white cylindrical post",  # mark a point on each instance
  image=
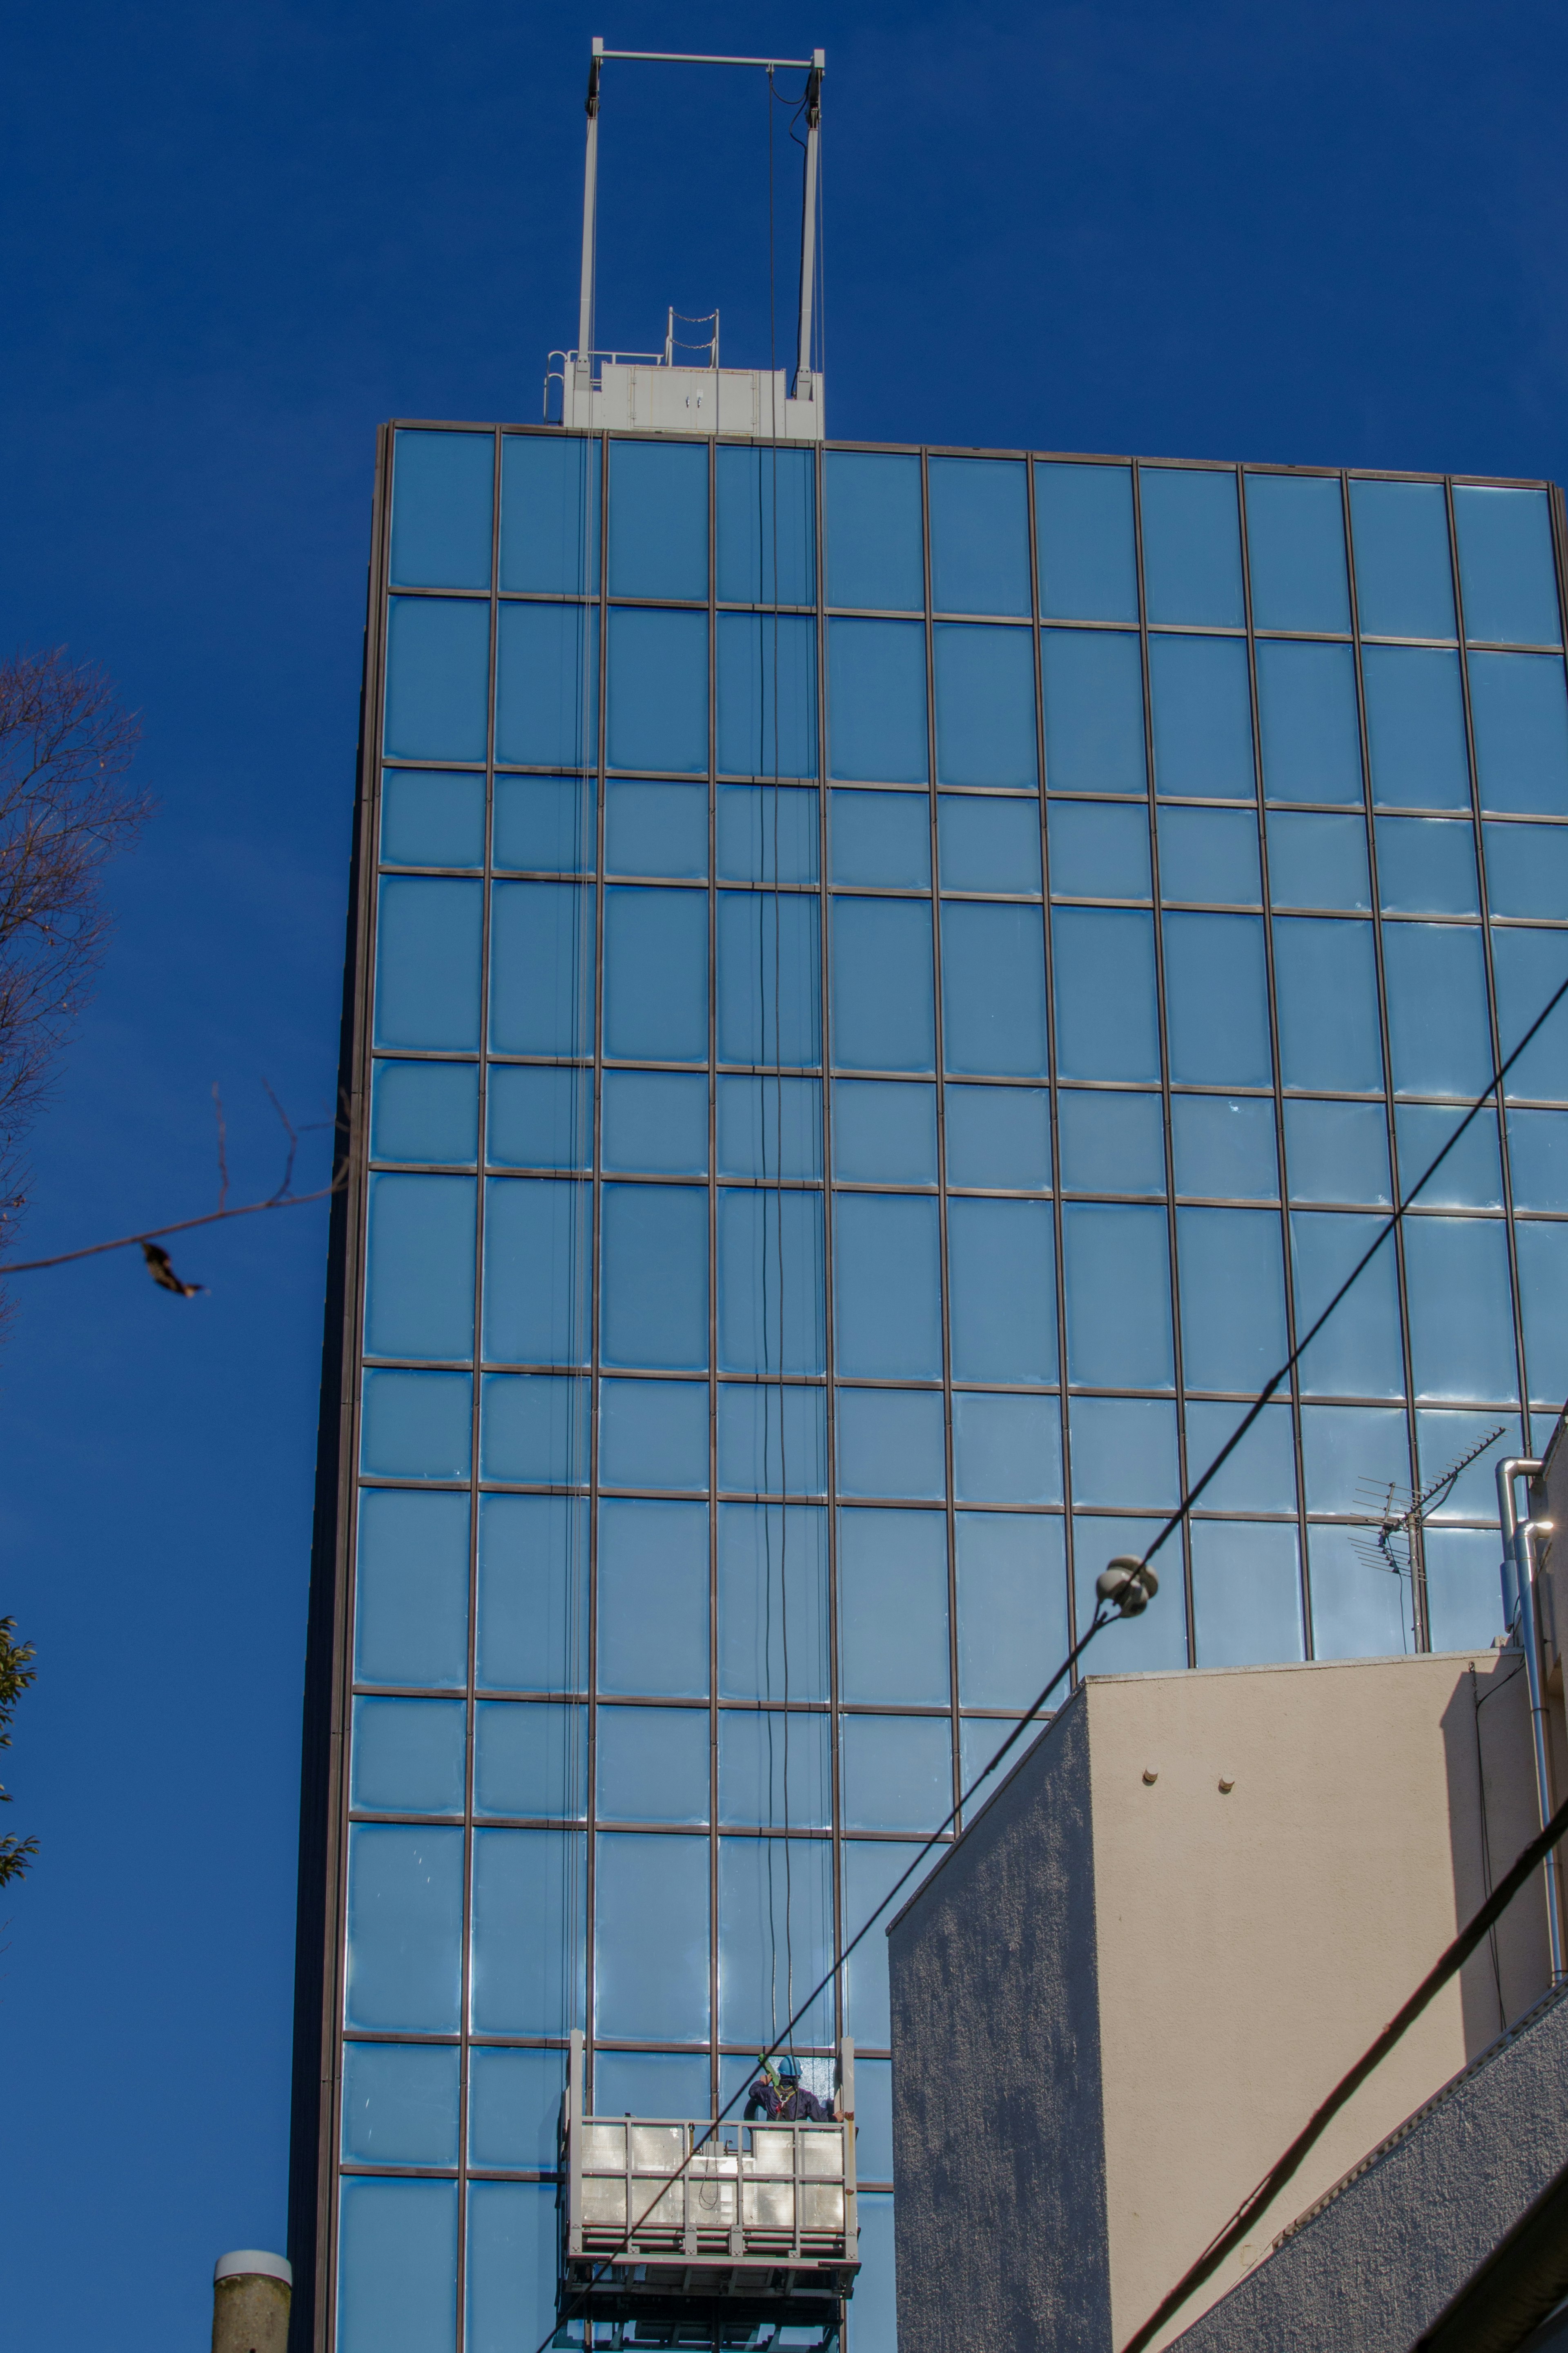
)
(251, 2294)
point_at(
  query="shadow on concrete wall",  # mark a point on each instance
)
(1491, 1815)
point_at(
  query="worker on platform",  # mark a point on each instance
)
(779, 2094)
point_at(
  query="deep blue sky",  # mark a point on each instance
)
(234, 240)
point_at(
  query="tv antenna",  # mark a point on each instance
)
(1403, 1512)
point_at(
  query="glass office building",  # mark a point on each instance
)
(886, 989)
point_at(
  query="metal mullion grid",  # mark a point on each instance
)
(1287, 1291)
(713, 1274)
(1151, 781)
(940, 1058)
(598, 606)
(1053, 1098)
(1420, 1628)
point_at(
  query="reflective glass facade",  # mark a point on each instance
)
(887, 987)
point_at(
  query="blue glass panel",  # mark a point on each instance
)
(993, 990)
(883, 839)
(427, 942)
(1464, 1591)
(1307, 722)
(1093, 686)
(1507, 570)
(1352, 1455)
(1006, 1449)
(1233, 1297)
(988, 844)
(549, 514)
(773, 1599)
(1118, 1300)
(885, 1132)
(1112, 1143)
(1543, 1299)
(425, 1111)
(985, 705)
(653, 1433)
(1216, 1001)
(1203, 717)
(415, 1425)
(1318, 861)
(876, 701)
(533, 1593)
(537, 1116)
(1107, 1023)
(653, 828)
(888, 1296)
(1438, 1034)
(431, 817)
(1337, 1152)
(979, 535)
(873, 526)
(770, 1127)
(767, 527)
(400, 2104)
(513, 2244)
(1462, 1313)
(999, 1136)
(1530, 967)
(546, 824)
(397, 2266)
(658, 692)
(541, 968)
(1442, 1438)
(772, 1295)
(883, 1009)
(774, 1770)
(767, 695)
(1210, 854)
(1247, 1593)
(1260, 1475)
(767, 833)
(1296, 541)
(527, 1962)
(1132, 1645)
(890, 1442)
(531, 1758)
(1538, 1158)
(1527, 869)
(1192, 545)
(1098, 850)
(652, 1765)
(1325, 974)
(1520, 713)
(1357, 1352)
(1224, 1147)
(775, 1936)
(539, 1271)
(1001, 1263)
(898, 1772)
(1470, 1177)
(772, 1440)
(437, 678)
(411, 1590)
(533, 1429)
(1361, 1609)
(405, 1929)
(1124, 1451)
(874, 2124)
(1012, 1606)
(1416, 728)
(653, 1599)
(769, 977)
(547, 685)
(873, 1870)
(514, 2108)
(658, 2084)
(659, 518)
(656, 973)
(653, 1308)
(1403, 579)
(651, 1937)
(892, 1607)
(407, 1755)
(442, 499)
(1426, 866)
(655, 1120)
(1088, 567)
